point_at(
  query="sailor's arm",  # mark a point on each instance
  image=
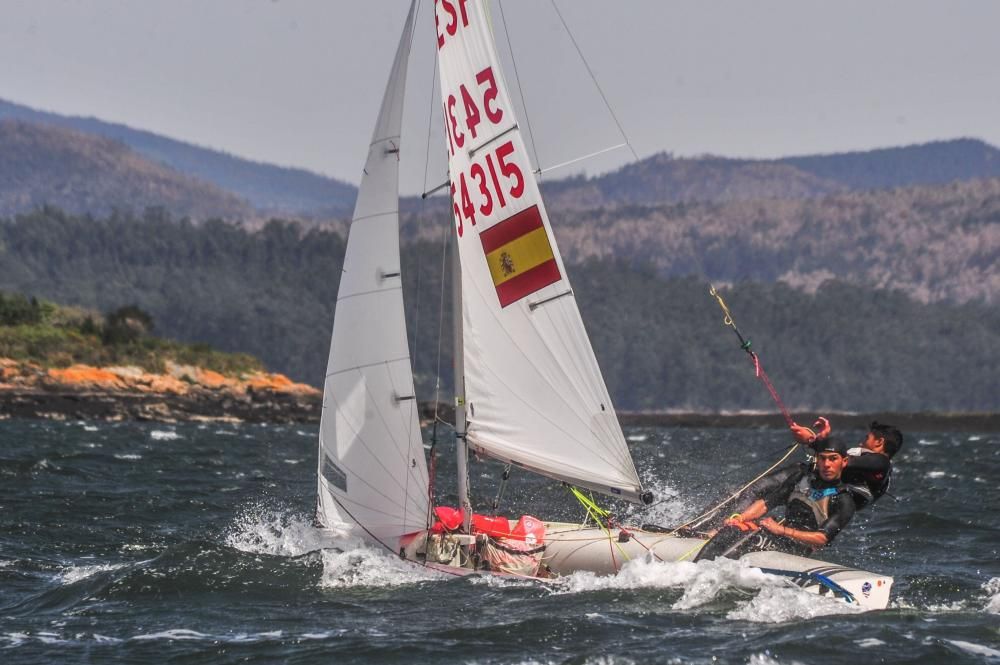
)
(752, 512)
(814, 539)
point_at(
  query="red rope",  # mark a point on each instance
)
(762, 375)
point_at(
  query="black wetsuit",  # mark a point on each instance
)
(867, 475)
(785, 487)
(869, 470)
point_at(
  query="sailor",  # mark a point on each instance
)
(817, 506)
(869, 466)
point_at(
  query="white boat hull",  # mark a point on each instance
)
(570, 548)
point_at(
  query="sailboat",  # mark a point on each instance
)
(528, 389)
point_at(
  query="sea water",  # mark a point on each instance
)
(195, 543)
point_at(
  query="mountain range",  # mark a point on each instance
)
(278, 191)
(923, 219)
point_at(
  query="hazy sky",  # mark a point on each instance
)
(298, 82)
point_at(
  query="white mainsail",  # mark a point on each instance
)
(535, 395)
(372, 471)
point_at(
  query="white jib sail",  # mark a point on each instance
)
(534, 392)
(371, 470)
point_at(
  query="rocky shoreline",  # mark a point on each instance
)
(190, 394)
(181, 393)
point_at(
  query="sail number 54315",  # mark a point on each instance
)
(487, 180)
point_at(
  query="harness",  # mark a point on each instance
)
(817, 501)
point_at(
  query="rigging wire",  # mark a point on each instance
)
(520, 90)
(594, 79)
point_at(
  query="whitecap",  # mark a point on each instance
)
(504, 582)
(869, 642)
(292, 461)
(928, 442)
(700, 582)
(104, 639)
(936, 474)
(164, 435)
(174, 634)
(366, 567)
(668, 506)
(265, 530)
(638, 438)
(90, 428)
(976, 649)
(77, 573)
(992, 588)
(768, 659)
(50, 638)
(130, 456)
(786, 603)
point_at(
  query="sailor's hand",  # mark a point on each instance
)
(803, 434)
(822, 427)
(772, 526)
(737, 522)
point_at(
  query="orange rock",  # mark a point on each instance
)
(215, 381)
(278, 383)
(162, 383)
(85, 376)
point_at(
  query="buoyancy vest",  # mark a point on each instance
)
(805, 500)
(876, 483)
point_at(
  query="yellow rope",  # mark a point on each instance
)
(728, 320)
(594, 511)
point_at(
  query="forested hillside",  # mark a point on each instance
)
(666, 179)
(267, 187)
(660, 341)
(92, 175)
(934, 242)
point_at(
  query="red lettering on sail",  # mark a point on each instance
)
(452, 15)
(490, 95)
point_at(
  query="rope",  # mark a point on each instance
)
(745, 345)
(735, 494)
(603, 520)
(503, 486)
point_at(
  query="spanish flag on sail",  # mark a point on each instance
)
(519, 256)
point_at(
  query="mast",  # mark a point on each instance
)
(461, 444)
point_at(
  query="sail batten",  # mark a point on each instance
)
(534, 391)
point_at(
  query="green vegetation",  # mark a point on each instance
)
(53, 336)
(660, 341)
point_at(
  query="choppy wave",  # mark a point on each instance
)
(74, 574)
(991, 654)
(264, 529)
(707, 581)
(366, 567)
(992, 589)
